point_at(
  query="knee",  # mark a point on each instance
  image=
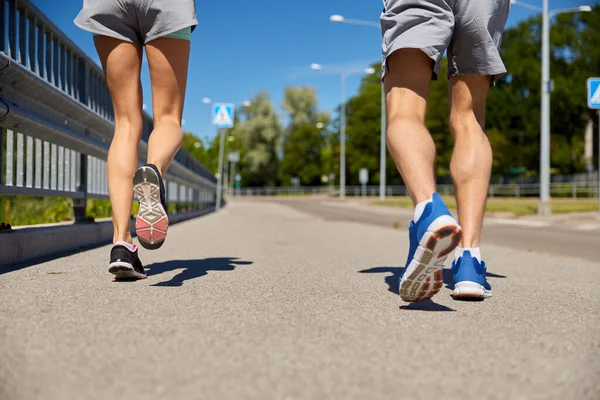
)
(167, 120)
(399, 123)
(128, 128)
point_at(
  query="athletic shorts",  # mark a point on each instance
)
(138, 21)
(469, 30)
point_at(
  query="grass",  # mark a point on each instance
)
(518, 207)
(29, 210)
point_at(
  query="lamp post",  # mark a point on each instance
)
(343, 75)
(383, 146)
(544, 207)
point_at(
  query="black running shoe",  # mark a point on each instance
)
(125, 264)
(152, 222)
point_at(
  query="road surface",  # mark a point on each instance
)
(268, 300)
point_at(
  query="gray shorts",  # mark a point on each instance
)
(470, 30)
(136, 21)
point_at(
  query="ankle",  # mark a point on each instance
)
(161, 168)
(420, 208)
(122, 238)
(475, 252)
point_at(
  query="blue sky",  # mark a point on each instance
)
(241, 47)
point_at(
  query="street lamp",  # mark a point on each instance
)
(343, 75)
(383, 146)
(340, 19)
(544, 206)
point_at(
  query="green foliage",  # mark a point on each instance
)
(363, 116)
(98, 208)
(195, 147)
(28, 210)
(303, 156)
(300, 102)
(259, 136)
(514, 105)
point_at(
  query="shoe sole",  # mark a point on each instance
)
(123, 270)
(423, 277)
(152, 222)
(470, 290)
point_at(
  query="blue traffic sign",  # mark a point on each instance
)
(222, 115)
(593, 89)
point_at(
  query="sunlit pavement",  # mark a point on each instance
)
(275, 300)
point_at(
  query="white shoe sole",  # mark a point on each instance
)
(470, 290)
(123, 270)
(423, 276)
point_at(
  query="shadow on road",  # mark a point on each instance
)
(393, 280)
(426, 305)
(396, 272)
(193, 268)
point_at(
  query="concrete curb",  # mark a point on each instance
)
(29, 244)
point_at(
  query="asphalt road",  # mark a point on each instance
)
(263, 301)
(578, 238)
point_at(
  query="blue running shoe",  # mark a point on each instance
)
(469, 278)
(435, 235)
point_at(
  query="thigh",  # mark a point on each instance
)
(475, 44)
(407, 84)
(417, 24)
(468, 95)
(168, 61)
(122, 62)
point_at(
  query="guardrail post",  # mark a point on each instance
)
(82, 85)
(574, 190)
(79, 205)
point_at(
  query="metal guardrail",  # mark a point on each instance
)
(56, 119)
(562, 190)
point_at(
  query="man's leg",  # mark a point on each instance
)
(433, 233)
(471, 167)
(122, 63)
(474, 63)
(471, 162)
(407, 87)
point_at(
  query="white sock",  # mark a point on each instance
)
(131, 247)
(475, 252)
(419, 208)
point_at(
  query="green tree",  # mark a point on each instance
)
(363, 131)
(304, 142)
(300, 103)
(195, 147)
(303, 156)
(514, 105)
(259, 138)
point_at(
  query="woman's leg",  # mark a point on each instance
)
(168, 61)
(122, 62)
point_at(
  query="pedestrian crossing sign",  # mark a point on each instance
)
(223, 115)
(593, 86)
